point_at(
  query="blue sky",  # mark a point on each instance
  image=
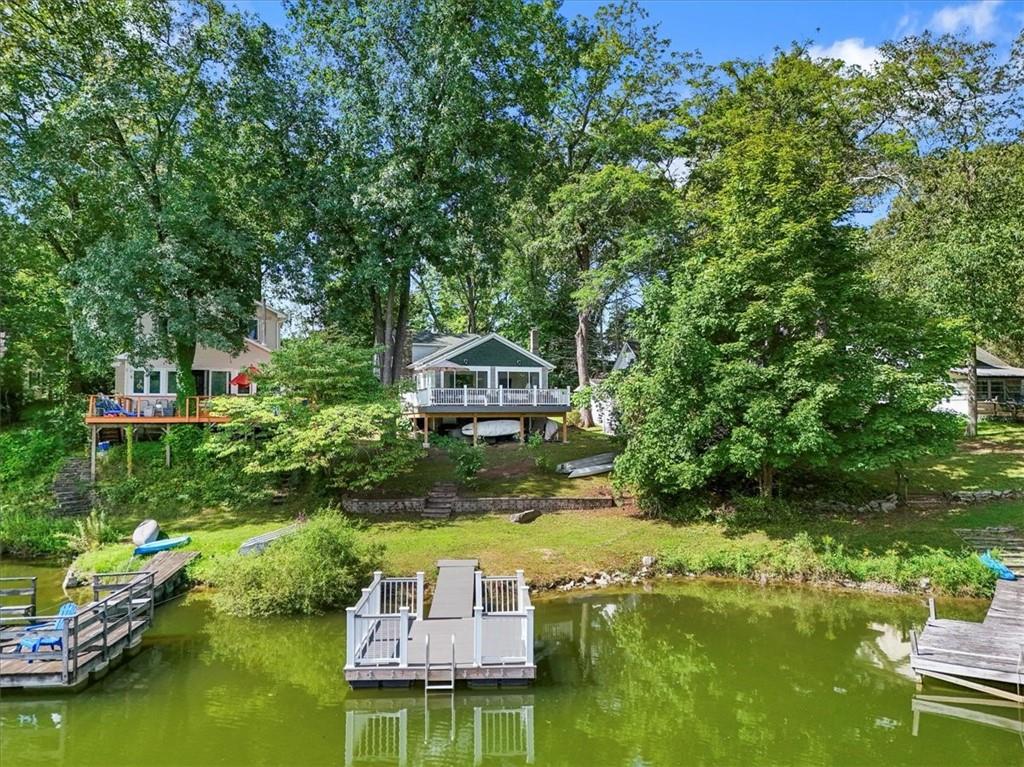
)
(743, 29)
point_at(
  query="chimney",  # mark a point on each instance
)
(534, 341)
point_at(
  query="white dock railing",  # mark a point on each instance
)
(500, 600)
(377, 627)
(474, 398)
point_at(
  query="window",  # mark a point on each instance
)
(518, 379)
(154, 381)
(172, 382)
(243, 388)
(139, 382)
(474, 379)
(254, 330)
(218, 382)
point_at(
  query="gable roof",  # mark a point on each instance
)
(449, 352)
(990, 366)
(429, 338)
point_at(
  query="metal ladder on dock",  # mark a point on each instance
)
(446, 684)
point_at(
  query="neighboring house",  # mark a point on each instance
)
(602, 404)
(215, 372)
(998, 382)
(463, 377)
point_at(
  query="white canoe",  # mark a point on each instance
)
(504, 427)
(581, 463)
(586, 471)
(146, 532)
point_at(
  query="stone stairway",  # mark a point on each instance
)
(72, 489)
(439, 501)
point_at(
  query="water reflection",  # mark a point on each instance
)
(978, 710)
(494, 729)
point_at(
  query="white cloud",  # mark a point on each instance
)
(979, 17)
(852, 50)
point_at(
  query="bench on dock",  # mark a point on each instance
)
(479, 629)
(978, 656)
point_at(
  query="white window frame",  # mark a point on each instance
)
(485, 369)
(530, 370)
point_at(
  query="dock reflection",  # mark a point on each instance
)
(414, 729)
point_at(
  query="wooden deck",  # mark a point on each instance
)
(479, 629)
(987, 656)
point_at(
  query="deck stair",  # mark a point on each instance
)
(71, 488)
(439, 501)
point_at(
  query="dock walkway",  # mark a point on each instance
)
(987, 656)
(479, 629)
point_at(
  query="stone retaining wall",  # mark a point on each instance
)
(474, 505)
(524, 503)
(384, 505)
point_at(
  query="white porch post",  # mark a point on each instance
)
(465, 395)
(501, 395)
(528, 639)
(419, 596)
(350, 637)
(535, 396)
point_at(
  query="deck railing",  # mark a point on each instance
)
(149, 406)
(121, 616)
(467, 397)
(378, 626)
(22, 589)
(498, 600)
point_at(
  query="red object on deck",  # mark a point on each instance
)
(242, 379)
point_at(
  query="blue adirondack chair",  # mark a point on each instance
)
(112, 408)
(35, 640)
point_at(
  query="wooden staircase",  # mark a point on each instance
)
(439, 501)
(72, 489)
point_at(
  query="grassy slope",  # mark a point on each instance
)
(566, 545)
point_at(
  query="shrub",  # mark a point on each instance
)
(27, 453)
(91, 533)
(468, 458)
(31, 533)
(321, 567)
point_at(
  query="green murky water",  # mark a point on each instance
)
(698, 673)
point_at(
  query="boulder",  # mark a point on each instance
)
(523, 517)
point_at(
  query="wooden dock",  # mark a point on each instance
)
(100, 635)
(479, 629)
(986, 657)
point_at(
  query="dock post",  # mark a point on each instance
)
(350, 637)
(403, 637)
(478, 635)
(419, 595)
(528, 639)
(931, 608)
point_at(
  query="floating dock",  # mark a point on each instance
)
(479, 629)
(98, 636)
(986, 657)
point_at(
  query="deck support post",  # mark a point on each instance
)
(565, 429)
(403, 636)
(92, 452)
(474, 429)
(167, 447)
(522, 430)
(129, 439)
(426, 431)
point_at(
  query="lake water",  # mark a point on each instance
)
(694, 673)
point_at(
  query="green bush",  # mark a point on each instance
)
(91, 533)
(27, 453)
(468, 458)
(31, 533)
(321, 567)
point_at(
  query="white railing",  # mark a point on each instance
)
(378, 626)
(500, 397)
(499, 600)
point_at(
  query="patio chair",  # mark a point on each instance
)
(34, 640)
(113, 408)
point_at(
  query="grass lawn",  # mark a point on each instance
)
(511, 469)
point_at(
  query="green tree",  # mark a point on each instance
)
(423, 121)
(145, 142)
(601, 191)
(768, 346)
(320, 411)
(952, 236)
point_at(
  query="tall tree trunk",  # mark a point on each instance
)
(401, 328)
(766, 482)
(972, 393)
(378, 334)
(582, 363)
(184, 356)
(389, 340)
